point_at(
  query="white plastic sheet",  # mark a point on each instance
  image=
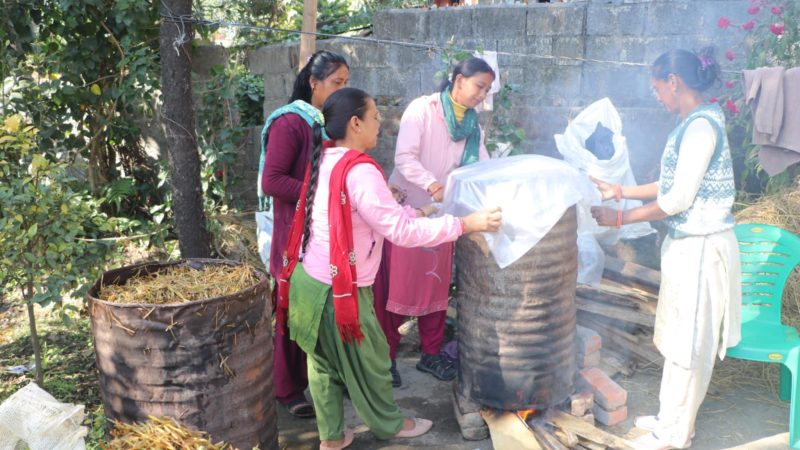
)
(616, 170)
(533, 191)
(264, 225)
(34, 417)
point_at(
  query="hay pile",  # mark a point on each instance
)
(159, 434)
(235, 238)
(781, 209)
(181, 284)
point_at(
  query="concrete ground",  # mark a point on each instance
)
(742, 411)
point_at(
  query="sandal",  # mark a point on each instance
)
(301, 408)
(421, 426)
(348, 439)
(437, 366)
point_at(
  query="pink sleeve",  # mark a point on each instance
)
(374, 203)
(409, 142)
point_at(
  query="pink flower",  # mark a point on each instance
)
(777, 10)
(729, 84)
(731, 55)
(713, 100)
(755, 9)
(732, 107)
(747, 26)
(776, 29)
(724, 22)
(219, 173)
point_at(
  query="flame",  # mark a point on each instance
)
(525, 413)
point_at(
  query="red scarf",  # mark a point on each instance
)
(342, 252)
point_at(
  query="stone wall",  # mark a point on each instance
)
(548, 50)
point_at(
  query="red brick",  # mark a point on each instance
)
(612, 417)
(588, 340)
(588, 360)
(581, 403)
(607, 393)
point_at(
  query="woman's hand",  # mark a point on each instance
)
(605, 217)
(428, 210)
(606, 189)
(484, 220)
(436, 190)
(398, 194)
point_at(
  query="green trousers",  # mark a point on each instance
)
(361, 368)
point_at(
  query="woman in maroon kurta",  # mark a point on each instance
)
(288, 146)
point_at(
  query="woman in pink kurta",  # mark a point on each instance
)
(438, 133)
(333, 253)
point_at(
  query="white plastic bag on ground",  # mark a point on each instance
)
(36, 418)
(264, 225)
(616, 170)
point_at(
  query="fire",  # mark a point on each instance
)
(525, 413)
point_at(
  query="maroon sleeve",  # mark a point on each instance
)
(283, 170)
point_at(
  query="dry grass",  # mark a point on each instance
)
(781, 209)
(158, 434)
(181, 284)
(237, 239)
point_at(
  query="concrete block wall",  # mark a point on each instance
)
(556, 53)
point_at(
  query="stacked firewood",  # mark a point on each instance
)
(622, 311)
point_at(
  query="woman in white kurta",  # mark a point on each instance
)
(698, 314)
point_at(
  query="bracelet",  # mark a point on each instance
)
(617, 192)
(436, 190)
(463, 225)
(619, 218)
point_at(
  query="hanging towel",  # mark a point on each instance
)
(774, 96)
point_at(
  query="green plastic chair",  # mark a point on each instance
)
(768, 256)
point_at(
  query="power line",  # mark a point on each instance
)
(184, 19)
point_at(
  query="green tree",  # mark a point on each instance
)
(47, 230)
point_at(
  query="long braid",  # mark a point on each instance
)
(315, 161)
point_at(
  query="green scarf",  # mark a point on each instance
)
(305, 110)
(468, 128)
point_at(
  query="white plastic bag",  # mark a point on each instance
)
(616, 170)
(36, 418)
(533, 191)
(264, 225)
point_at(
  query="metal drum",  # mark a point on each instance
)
(206, 363)
(516, 326)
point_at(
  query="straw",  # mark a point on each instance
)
(158, 434)
(181, 284)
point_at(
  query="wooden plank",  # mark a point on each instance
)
(615, 312)
(620, 294)
(547, 440)
(641, 350)
(508, 431)
(590, 432)
(630, 273)
(568, 438)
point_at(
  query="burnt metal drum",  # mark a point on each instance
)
(206, 363)
(516, 326)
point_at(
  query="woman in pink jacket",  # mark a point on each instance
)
(333, 253)
(438, 133)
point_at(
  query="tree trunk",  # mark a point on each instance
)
(177, 113)
(308, 42)
(37, 349)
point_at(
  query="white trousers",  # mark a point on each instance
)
(683, 390)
